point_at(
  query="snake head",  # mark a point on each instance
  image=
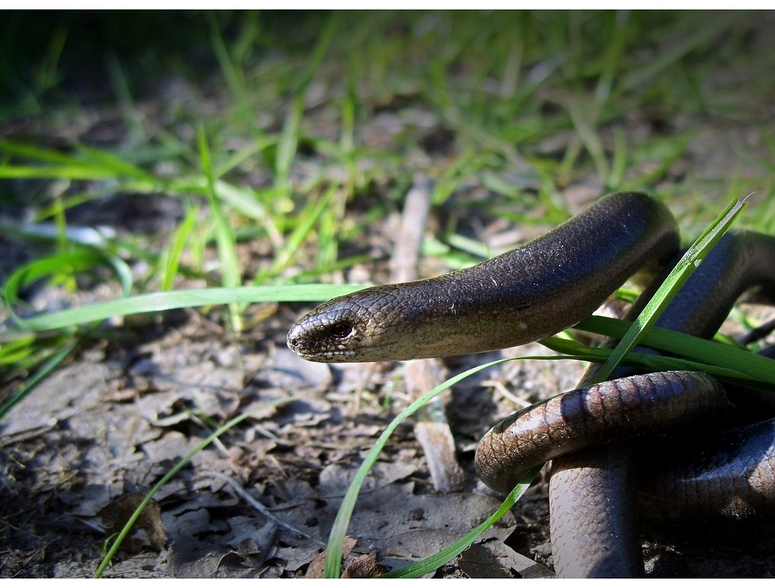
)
(349, 328)
(322, 337)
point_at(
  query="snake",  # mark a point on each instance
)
(548, 285)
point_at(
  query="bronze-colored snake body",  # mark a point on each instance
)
(610, 547)
(533, 291)
(544, 287)
(728, 474)
(612, 411)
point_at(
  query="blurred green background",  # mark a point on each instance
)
(270, 148)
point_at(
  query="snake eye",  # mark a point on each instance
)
(341, 330)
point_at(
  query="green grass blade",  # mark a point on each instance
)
(289, 139)
(15, 349)
(251, 149)
(437, 560)
(86, 163)
(701, 36)
(120, 85)
(677, 277)
(160, 301)
(73, 261)
(241, 199)
(670, 152)
(67, 172)
(51, 364)
(46, 75)
(176, 250)
(585, 127)
(329, 226)
(169, 475)
(286, 149)
(35, 153)
(711, 353)
(611, 60)
(307, 220)
(224, 235)
(619, 160)
(60, 221)
(649, 362)
(235, 79)
(119, 167)
(339, 530)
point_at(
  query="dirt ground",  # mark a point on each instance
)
(260, 503)
(85, 446)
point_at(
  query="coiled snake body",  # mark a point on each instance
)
(544, 287)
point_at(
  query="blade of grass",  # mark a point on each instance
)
(699, 37)
(69, 172)
(677, 277)
(35, 152)
(328, 227)
(672, 150)
(248, 36)
(286, 148)
(512, 66)
(754, 366)
(306, 222)
(169, 475)
(611, 60)
(252, 148)
(619, 160)
(73, 261)
(437, 560)
(160, 301)
(575, 350)
(349, 105)
(585, 125)
(60, 221)
(339, 529)
(245, 201)
(15, 348)
(227, 246)
(233, 75)
(46, 76)
(120, 167)
(289, 138)
(129, 111)
(347, 262)
(84, 164)
(174, 252)
(53, 361)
